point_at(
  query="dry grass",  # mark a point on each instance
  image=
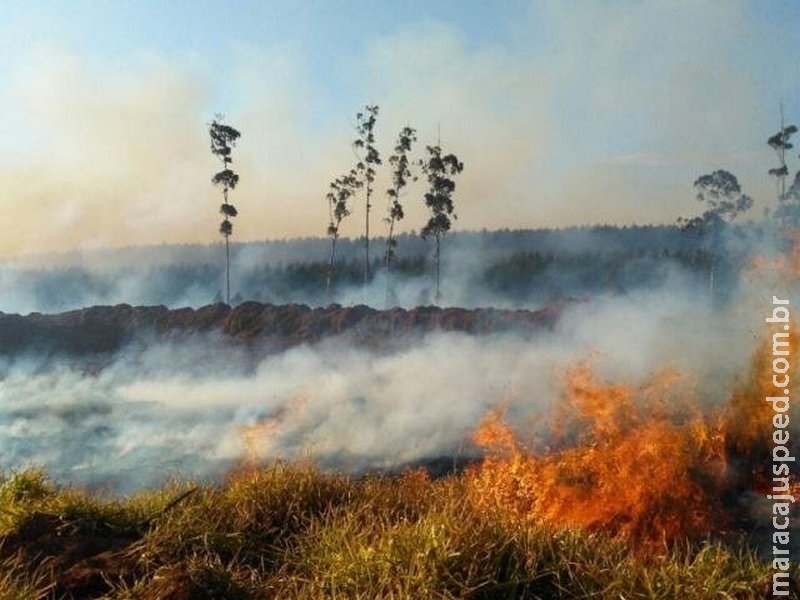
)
(289, 531)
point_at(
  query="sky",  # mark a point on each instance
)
(564, 113)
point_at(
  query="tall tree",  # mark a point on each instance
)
(788, 210)
(780, 143)
(401, 173)
(368, 159)
(724, 200)
(341, 190)
(439, 171)
(223, 140)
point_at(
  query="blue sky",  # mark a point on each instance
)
(563, 112)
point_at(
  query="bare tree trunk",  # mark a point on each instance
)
(366, 242)
(388, 260)
(711, 279)
(330, 269)
(227, 251)
(388, 257)
(782, 152)
(227, 270)
(438, 292)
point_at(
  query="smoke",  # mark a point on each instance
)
(511, 269)
(200, 409)
(558, 112)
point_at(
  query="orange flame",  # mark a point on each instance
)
(748, 418)
(784, 266)
(625, 460)
(643, 463)
(259, 438)
(638, 462)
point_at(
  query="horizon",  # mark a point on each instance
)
(563, 116)
(34, 258)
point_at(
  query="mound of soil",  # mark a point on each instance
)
(106, 329)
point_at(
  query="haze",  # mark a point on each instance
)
(564, 113)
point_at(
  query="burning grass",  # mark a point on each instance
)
(642, 464)
(625, 470)
(633, 493)
(293, 532)
(636, 462)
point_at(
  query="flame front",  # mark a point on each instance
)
(644, 463)
(623, 459)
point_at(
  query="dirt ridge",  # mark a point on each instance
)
(106, 329)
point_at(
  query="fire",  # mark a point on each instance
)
(634, 461)
(749, 417)
(643, 462)
(259, 438)
(783, 266)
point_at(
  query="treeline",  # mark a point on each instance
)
(702, 241)
(508, 267)
(545, 277)
(491, 244)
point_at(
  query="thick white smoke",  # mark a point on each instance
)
(199, 409)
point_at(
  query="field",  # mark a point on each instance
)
(399, 300)
(637, 493)
(613, 443)
(289, 531)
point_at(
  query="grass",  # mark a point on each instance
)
(290, 531)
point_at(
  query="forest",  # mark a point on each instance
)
(512, 268)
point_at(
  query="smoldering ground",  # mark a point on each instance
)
(198, 409)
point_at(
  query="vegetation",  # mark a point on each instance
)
(724, 200)
(400, 175)
(439, 170)
(520, 267)
(368, 159)
(290, 531)
(223, 139)
(788, 210)
(341, 190)
(439, 199)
